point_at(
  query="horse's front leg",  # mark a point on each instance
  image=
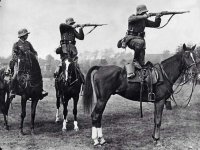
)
(157, 120)
(76, 128)
(33, 110)
(57, 106)
(65, 112)
(23, 113)
(6, 122)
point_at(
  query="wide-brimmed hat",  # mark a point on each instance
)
(70, 21)
(22, 32)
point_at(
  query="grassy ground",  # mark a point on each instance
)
(122, 126)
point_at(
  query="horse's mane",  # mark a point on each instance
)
(174, 57)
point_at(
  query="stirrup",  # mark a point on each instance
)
(151, 97)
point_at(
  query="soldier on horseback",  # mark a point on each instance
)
(67, 50)
(134, 38)
(20, 48)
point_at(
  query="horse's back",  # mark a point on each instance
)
(108, 71)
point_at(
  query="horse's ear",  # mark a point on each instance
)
(193, 47)
(184, 47)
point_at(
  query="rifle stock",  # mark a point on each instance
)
(168, 13)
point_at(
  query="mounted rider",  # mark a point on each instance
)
(134, 38)
(21, 47)
(67, 50)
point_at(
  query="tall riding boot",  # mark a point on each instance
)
(142, 57)
(130, 68)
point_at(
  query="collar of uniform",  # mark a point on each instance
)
(20, 40)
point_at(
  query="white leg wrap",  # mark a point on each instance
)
(94, 133)
(76, 126)
(99, 132)
(64, 125)
(57, 115)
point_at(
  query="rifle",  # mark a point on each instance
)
(172, 13)
(162, 13)
(88, 25)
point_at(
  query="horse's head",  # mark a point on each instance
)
(188, 57)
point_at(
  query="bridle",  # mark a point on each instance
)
(191, 77)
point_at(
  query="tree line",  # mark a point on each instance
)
(98, 57)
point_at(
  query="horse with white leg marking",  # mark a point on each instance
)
(67, 89)
(109, 80)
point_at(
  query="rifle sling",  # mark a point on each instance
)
(167, 22)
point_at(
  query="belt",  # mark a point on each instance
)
(67, 42)
(129, 32)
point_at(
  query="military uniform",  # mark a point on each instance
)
(68, 49)
(19, 51)
(134, 38)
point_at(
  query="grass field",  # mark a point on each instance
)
(122, 126)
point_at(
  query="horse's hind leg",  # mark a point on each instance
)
(157, 120)
(33, 110)
(75, 113)
(97, 113)
(23, 113)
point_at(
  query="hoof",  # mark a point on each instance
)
(64, 130)
(6, 127)
(102, 141)
(22, 133)
(76, 129)
(96, 143)
(157, 143)
(32, 132)
(57, 120)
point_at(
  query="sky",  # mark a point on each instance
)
(43, 17)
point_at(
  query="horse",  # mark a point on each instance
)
(111, 79)
(4, 97)
(28, 85)
(67, 89)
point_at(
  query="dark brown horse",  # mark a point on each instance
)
(65, 90)
(28, 85)
(109, 80)
(4, 97)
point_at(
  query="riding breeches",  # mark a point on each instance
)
(138, 45)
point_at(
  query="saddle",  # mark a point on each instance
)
(147, 75)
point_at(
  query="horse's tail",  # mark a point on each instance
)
(88, 90)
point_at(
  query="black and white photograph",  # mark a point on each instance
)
(99, 74)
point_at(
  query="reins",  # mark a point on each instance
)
(181, 84)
